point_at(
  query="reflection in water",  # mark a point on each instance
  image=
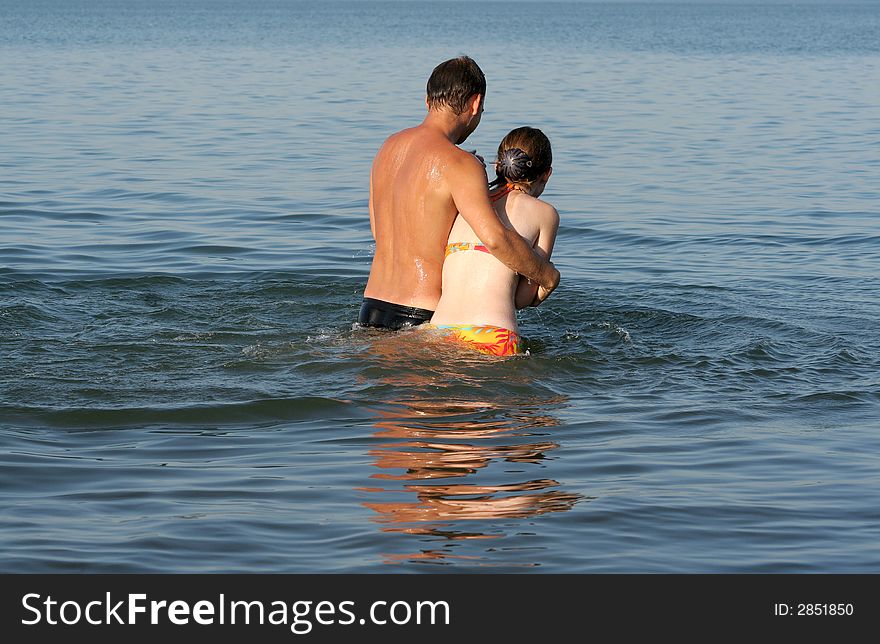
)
(432, 437)
(445, 503)
(451, 441)
(460, 433)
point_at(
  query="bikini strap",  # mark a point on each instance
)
(495, 196)
(458, 247)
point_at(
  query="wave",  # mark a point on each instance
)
(239, 414)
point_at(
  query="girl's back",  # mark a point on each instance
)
(480, 295)
(477, 288)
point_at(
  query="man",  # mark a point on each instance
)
(419, 182)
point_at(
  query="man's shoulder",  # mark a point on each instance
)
(418, 140)
(440, 150)
(458, 160)
(403, 134)
(398, 137)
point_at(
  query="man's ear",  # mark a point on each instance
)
(427, 106)
(476, 101)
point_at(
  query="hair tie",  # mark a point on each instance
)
(513, 164)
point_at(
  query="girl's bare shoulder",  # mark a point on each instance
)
(548, 211)
(534, 210)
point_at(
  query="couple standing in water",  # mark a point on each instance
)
(451, 251)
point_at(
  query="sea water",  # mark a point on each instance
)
(184, 242)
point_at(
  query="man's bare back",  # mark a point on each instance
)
(419, 182)
(411, 213)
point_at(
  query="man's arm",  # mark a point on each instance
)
(468, 186)
(372, 214)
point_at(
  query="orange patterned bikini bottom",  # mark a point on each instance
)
(493, 340)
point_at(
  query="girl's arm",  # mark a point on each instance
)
(527, 291)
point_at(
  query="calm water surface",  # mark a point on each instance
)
(184, 242)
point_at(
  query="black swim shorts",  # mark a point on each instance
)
(386, 315)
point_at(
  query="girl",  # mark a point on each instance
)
(480, 294)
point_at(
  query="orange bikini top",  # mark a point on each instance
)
(495, 196)
(458, 247)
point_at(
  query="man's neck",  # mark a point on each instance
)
(445, 123)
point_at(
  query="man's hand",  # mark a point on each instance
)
(482, 160)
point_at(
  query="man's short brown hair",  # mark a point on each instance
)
(453, 82)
